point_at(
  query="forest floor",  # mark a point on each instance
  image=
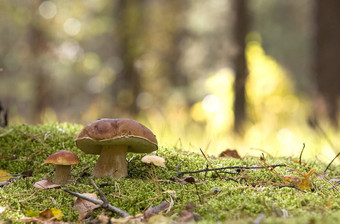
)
(193, 187)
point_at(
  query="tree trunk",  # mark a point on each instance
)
(240, 64)
(129, 18)
(175, 33)
(327, 64)
(38, 47)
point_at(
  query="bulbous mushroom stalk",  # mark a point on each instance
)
(62, 160)
(112, 139)
(111, 162)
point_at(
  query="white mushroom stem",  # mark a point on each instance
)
(111, 162)
(62, 174)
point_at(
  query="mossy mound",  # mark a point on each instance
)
(241, 197)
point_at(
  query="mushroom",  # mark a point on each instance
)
(112, 139)
(62, 160)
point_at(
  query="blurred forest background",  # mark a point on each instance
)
(245, 74)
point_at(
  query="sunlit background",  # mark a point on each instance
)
(64, 61)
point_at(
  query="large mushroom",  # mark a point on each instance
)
(112, 139)
(62, 160)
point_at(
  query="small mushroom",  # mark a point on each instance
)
(62, 161)
(112, 139)
(155, 160)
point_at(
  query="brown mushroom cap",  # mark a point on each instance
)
(122, 132)
(62, 157)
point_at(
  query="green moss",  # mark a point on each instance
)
(241, 200)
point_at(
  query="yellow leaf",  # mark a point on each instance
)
(4, 176)
(52, 212)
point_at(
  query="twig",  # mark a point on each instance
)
(303, 148)
(331, 163)
(177, 167)
(99, 202)
(230, 167)
(101, 194)
(4, 183)
(219, 177)
(106, 184)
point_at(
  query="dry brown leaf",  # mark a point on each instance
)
(156, 210)
(302, 183)
(185, 216)
(103, 219)
(230, 153)
(83, 206)
(188, 214)
(156, 160)
(130, 219)
(185, 180)
(45, 184)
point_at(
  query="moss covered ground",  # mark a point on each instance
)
(243, 196)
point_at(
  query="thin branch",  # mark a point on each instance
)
(230, 167)
(219, 177)
(101, 194)
(331, 163)
(177, 167)
(303, 148)
(99, 202)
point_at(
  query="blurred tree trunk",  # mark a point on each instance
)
(240, 64)
(129, 18)
(328, 54)
(38, 47)
(175, 34)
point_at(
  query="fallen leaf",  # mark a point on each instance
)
(185, 216)
(45, 184)
(103, 219)
(27, 173)
(185, 180)
(130, 219)
(151, 211)
(84, 207)
(302, 183)
(292, 179)
(230, 153)
(44, 216)
(51, 213)
(4, 176)
(156, 160)
(188, 214)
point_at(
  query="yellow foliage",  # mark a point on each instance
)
(4, 176)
